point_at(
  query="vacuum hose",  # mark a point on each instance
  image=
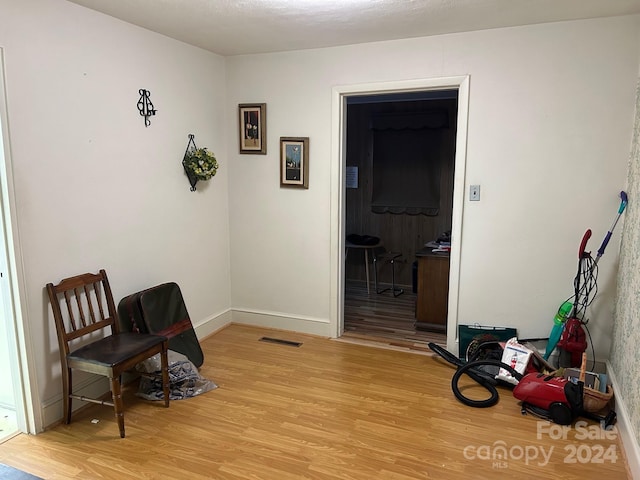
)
(487, 381)
(483, 378)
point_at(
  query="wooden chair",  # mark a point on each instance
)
(83, 307)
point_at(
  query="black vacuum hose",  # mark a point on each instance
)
(485, 379)
(488, 382)
(446, 354)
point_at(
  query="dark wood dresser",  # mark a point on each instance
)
(433, 290)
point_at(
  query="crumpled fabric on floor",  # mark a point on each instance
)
(184, 379)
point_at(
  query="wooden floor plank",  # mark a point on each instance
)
(327, 410)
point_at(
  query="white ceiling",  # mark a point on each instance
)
(236, 27)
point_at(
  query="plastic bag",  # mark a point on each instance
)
(517, 356)
(184, 379)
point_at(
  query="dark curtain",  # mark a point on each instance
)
(407, 155)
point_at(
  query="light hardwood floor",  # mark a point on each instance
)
(324, 410)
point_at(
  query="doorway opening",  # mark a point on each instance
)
(356, 208)
(400, 151)
(14, 410)
(8, 398)
(8, 413)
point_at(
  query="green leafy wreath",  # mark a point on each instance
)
(201, 163)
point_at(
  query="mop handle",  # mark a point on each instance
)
(607, 237)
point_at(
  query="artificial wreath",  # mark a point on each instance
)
(201, 163)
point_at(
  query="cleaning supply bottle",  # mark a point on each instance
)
(558, 325)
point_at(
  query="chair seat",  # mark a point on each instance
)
(115, 349)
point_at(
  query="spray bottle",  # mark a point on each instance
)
(558, 326)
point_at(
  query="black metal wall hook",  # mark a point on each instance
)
(145, 107)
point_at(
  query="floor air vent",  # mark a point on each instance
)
(280, 341)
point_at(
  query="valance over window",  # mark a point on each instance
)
(407, 156)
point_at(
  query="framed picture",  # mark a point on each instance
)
(294, 162)
(253, 128)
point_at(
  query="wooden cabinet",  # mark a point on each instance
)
(433, 291)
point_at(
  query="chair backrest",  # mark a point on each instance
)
(82, 305)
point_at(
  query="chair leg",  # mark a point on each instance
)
(396, 291)
(378, 291)
(164, 362)
(392, 261)
(116, 393)
(366, 268)
(375, 273)
(66, 395)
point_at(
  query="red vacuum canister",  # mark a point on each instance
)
(548, 393)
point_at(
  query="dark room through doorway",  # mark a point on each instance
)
(400, 158)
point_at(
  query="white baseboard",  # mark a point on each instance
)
(312, 326)
(628, 437)
(212, 325)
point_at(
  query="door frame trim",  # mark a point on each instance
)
(29, 418)
(337, 194)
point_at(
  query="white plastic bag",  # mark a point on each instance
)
(515, 355)
(184, 379)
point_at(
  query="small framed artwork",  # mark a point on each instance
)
(294, 162)
(253, 127)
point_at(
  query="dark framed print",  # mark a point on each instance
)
(253, 127)
(294, 162)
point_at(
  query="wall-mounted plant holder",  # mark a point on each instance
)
(198, 163)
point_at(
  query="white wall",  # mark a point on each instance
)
(550, 121)
(93, 187)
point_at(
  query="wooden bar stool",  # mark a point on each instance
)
(387, 257)
(365, 247)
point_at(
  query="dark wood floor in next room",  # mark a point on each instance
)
(383, 318)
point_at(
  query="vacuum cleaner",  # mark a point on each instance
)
(557, 399)
(546, 396)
